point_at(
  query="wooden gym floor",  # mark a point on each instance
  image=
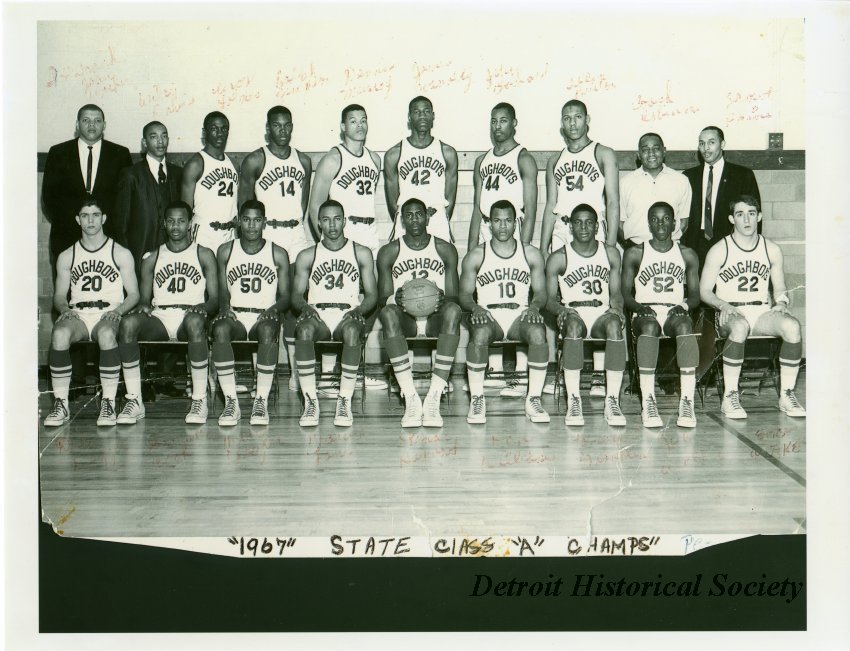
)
(161, 477)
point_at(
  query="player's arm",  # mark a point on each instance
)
(448, 254)
(710, 270)
(631, 262)
(777, 278)
(682, 209)
(146, 282)
(326, 170)
(691, 278)
(307, 164)
(303, 263)
(450, 156)
(62, 285)
(127, 268)
(538, 285)
(209, 267)
(611, 171)
(222, 256)
(281, 262)
(615, 293)
(556, 265)
(391, 189)
(528, 174)
(469, 272)
(548, 226)
(252, 166)
(192, 171)
(475, 219)
(386, 257)
(367, 281)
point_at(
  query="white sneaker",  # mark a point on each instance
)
(294, 384)
(534, 410)
(198, 412)
(649, 412)
(310, 415)
(790, 405)
(431, 411)
(731, 406)
(477, 410)
(597, 385)
(549, 387)
(134, 411)
(687, 418)
(574, 413)
(372, 383)
(494, 382)
(259, 413)
(242, 388)
(231, 414)
(412, 411)
(613, 415)
(107, 416)
(59, 415)
(515, 388)
(343, 417)
(328, 389)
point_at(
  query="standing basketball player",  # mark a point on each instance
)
(586, 275)
(279, 176)
(417, 254)
(179, 291)
(654, 277)
(421, 167)
(504, 271)
(254, 286)
(331, 274)
(210, 185)
(734, 282)
(98, 272)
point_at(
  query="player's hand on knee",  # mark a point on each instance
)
(70, 314)
(307, 313)
(563, 314)
(270, 314)
(780, 308)
(727, 312)
(531, 315)
(399, 296)
(200, 308)
(441, 299)
(617, 312)
(111, 316)
(677, 310)
(480, 316)
(646, 310)
(355, 316)
(142, 309)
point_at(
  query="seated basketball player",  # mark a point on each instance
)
(254, 292)
(179, 290)
(734, 282)
(586, 275)
(504, 272)
(654, 279)
(417, 254)
(330, 274)
(97, 272)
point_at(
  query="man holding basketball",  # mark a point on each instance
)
(419, 255)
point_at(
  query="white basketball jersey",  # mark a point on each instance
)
(503, 280)
(178, 278)
(660, 277)
(425, 263)
(280, 186)
(744, 275)
(586, 279)
(500, 179)
(215, 202)
(95, 277)
(334, 276)
(251, 279)
(356, 183)
(422, 174)
(580, 180)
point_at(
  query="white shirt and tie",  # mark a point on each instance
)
(157, 168)
(89, 152)
(713, 172)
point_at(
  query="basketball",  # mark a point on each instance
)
(420, 297)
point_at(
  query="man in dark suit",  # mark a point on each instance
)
(87, 166)
(144, 191)
(714, 184)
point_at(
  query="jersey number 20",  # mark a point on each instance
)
(91, 284)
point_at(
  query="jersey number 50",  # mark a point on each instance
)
(250, 285)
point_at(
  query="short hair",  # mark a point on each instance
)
(179, 204)
(414, 200)
(350, 109)
(215, 114)
(330, 203)
(717, 129)
(748, 199)
(277, 110)
(150, 125)
(507, 107)
(90, 107)
(575, 102)
(419, 98)
(91, 201)
(253, 204)
(503, 204)
(661, 204)
(584, 207)
(650, 134)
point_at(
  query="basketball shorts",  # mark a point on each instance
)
(211, 234)
(293, 239)
(171, 318)
(590, 315)
(365, 234)
(750, 312)
(438, 226)
(247, 316)
(662, 313)
(562, 235)
(332, 316)
(506, 317)
(90, 318)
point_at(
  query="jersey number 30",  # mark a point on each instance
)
(592, 286)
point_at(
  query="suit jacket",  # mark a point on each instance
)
(140, 207)
(735, 181)
(63, 189)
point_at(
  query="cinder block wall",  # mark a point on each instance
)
(783, 194)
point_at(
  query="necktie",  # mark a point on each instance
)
(88, 171)
(161, 175)
(709, 229)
